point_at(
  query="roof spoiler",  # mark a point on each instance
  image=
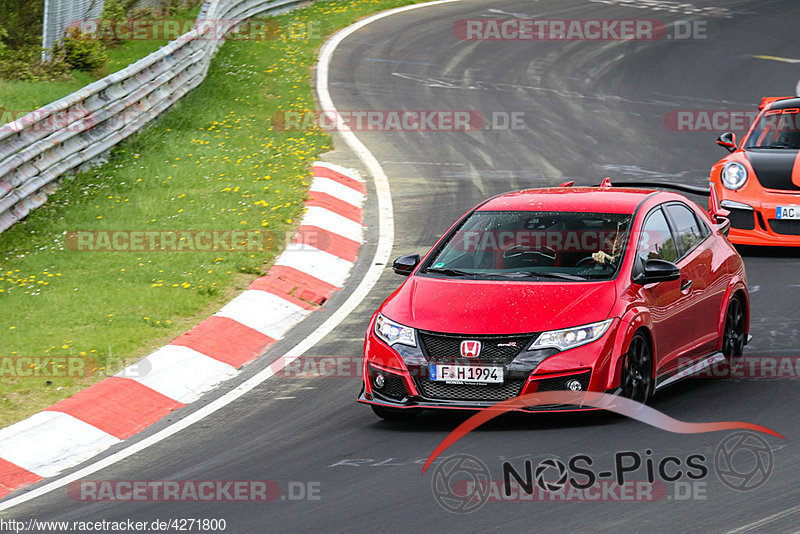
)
(717, 213)
(767, 100)
(684, 188)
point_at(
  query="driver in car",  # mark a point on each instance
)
(602, 257)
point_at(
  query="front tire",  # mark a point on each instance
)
(733, 334)
(636, 382)
(393, 414)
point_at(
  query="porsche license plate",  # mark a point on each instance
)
(467, 374)
(787, 212)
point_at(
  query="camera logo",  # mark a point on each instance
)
(551, 484)
(743, 461)
(454, 471)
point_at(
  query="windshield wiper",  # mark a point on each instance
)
(779, 147)
(511, 274)
(531, 274)
(448, 272)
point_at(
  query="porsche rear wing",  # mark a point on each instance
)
(767, 100)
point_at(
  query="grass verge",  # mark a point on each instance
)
(213, 162)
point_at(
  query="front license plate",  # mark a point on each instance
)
(467, 374)
(787, 212)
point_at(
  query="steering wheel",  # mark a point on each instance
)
(588, 259)
(519, 251)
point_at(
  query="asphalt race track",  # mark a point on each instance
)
(590, 110)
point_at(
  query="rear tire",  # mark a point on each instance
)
(636, 381)
(393, 414)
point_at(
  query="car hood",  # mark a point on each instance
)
(773, 168)
(491, 307)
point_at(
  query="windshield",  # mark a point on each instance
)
(776, 129)
(534, 245)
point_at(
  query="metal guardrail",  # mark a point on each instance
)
(44, 145)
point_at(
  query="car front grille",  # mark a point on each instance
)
(785, 227)
(497, 350)
(471, 392)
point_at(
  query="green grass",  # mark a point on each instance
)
(26, 95)
(127, 52)
(212, 162)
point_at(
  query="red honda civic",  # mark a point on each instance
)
(615, 290)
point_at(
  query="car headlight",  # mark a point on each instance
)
(569, 338)
(392, 332)
(734, 175)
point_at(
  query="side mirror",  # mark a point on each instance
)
(658, 271)
(405, 265)
(727, 140)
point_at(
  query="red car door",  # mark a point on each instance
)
(706, 284)
(669, 304)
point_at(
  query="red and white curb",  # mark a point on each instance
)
(316, 264)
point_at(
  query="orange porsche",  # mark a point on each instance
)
(757, 185)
